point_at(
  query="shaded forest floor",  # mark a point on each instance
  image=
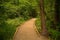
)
(27, 31)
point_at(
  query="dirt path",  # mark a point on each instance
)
(27, 32)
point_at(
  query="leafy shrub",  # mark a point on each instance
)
(8, 28)
(53, 33)
(38, 24)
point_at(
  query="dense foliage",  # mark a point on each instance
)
(52, 13)
(13, 13)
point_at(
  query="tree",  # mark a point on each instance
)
(57, 11)
(43, 20)
(57, 14)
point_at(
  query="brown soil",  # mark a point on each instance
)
(27, 31)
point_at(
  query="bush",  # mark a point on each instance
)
(53, 33)
(8, 28)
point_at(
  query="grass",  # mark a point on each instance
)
(9, 28)
(38, 24)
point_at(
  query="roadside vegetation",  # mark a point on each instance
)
(8, 28)
(15, 12)
(52, 19)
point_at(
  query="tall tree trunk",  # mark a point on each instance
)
(57, 13)
(57, 10)
(43, 20)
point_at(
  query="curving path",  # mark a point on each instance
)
(27, 31)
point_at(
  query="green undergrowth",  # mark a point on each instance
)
(9, 27)
(53, 34)
(38, 24)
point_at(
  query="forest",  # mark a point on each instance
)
(13, 13)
